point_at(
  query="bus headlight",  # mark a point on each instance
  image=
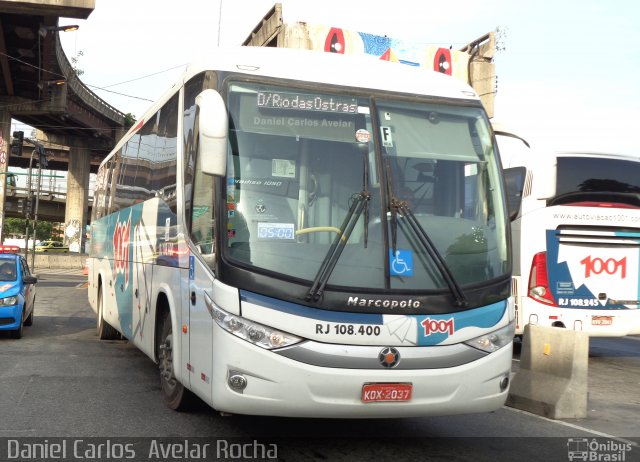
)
(253, 332)
(495, 340)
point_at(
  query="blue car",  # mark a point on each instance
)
(17, 291)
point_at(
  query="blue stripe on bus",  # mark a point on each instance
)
(627, 234)
(308, 312)
(483, 317)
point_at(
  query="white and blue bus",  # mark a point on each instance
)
(296, 233)
(576, 238)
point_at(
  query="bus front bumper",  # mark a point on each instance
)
(279, 386)
(594, 322)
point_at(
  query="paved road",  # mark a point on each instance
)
(60, 381)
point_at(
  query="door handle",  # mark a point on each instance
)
(193, 297)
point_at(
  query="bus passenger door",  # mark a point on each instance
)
(200, 330)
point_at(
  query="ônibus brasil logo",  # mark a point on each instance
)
(121, 239)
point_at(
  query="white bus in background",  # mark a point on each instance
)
(297, 233)
(575, 220)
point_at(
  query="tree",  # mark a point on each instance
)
(75, 60)
(16, 226)
(129, 120)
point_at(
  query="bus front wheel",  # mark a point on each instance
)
(173, 392)
(104, 329)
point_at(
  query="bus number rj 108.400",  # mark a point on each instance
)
(347, 329)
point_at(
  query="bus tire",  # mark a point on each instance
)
(174, 394)
(104, 329)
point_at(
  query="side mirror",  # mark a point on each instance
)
(514, 183)
(29, 279)
(213, 126)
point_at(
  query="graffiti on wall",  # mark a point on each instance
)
(343, 41)
(73, 235)
(4, 146)
(3, 149)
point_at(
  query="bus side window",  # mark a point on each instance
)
(203, 213)
(199, 189)
(514, 184)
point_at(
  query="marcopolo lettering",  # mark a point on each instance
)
(382, 303)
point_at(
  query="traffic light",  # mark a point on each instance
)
(26, 206)
(29, 206)
(42, 157)
(16, 143)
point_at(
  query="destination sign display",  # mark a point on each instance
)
(299, 114)
(306, 102)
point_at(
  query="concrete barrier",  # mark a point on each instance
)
(58, 260)
(553, 374)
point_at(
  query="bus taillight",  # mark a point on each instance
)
(539, 280)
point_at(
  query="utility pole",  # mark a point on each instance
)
(42, 162)
(27, 210)
(15, 149)
(31, 205)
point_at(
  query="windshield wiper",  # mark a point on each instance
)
(360, 203)
(396, 205)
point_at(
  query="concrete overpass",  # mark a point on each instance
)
(39, 87)
(51, 204)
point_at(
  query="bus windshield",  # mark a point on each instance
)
(311, 171)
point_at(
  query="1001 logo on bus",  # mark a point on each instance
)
(121, 240)
(609, 266)
(437, 326)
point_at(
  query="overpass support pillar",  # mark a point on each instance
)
(76, 213)
(5, 151)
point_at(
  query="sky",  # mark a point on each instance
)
(567, 69)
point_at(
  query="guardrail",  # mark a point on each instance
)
(19, 191)
(83, 92)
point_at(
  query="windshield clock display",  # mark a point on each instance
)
(276, 231)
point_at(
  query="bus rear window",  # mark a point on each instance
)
(598, 181)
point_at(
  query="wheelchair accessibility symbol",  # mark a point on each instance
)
(401, 263)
